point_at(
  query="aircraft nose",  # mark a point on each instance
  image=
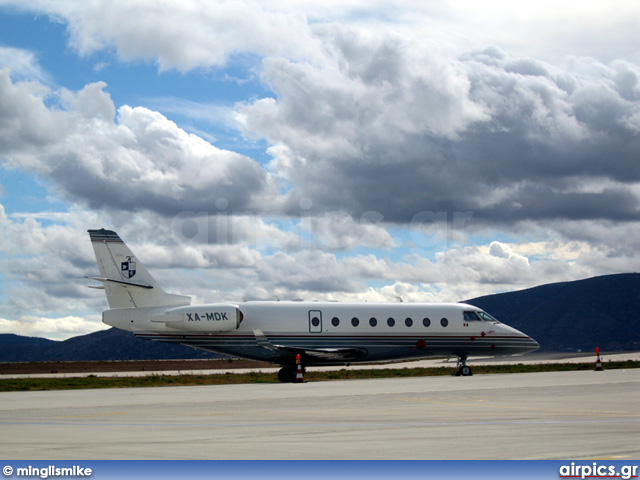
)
(521, 343)
(529, 344)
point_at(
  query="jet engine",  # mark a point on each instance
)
(207, 318)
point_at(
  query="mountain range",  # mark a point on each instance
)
(569, 316)
(112, 344)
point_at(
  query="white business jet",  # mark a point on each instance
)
(315, 333)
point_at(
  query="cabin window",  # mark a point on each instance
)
(426, 322)
(373, 322)
(391, 322)
(408, 322)
(355, 322)
(444, 322)
(315, 321)
(335, 321)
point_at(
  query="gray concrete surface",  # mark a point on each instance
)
(561, 415)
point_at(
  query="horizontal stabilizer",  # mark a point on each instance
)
(121, 282)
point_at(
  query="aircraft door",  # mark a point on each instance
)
(315, 321)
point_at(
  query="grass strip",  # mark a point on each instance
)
(92, 381)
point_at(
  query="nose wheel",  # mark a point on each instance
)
(464, 370)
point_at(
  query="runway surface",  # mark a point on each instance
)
(561, 415)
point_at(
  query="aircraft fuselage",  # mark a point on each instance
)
(362, 332)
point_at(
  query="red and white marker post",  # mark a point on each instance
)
(299, 377)
(598, 362)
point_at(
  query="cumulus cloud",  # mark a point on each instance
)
(386, 131)
(370, 117)
(137, 160)
(334, 231)
(182, 35)
(210, 32)
(25, 121)
(508, 138)
(43, 267)
(45, 273)
(23, 64)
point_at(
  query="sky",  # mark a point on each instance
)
(353, 151)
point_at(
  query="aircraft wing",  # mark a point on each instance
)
(320, 355)
(332, 354)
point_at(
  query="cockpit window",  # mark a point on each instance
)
(471, 316)
(479, 316)
(486, 317)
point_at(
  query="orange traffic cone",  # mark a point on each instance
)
(598, 362)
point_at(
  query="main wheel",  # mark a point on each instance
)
(287, 374)
(465, 371)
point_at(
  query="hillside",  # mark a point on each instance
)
(15, 348)
(112, 344)
(581, 315)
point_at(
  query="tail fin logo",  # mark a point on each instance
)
(128, 268)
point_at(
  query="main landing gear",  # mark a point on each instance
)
(463, 369)
(289, 373)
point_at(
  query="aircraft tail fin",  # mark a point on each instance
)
(126, 281)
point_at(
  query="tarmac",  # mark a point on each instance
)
(558, 415)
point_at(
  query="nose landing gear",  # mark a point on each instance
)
(463, 369)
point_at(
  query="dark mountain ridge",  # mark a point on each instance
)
(581, 315)
(112, 344)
